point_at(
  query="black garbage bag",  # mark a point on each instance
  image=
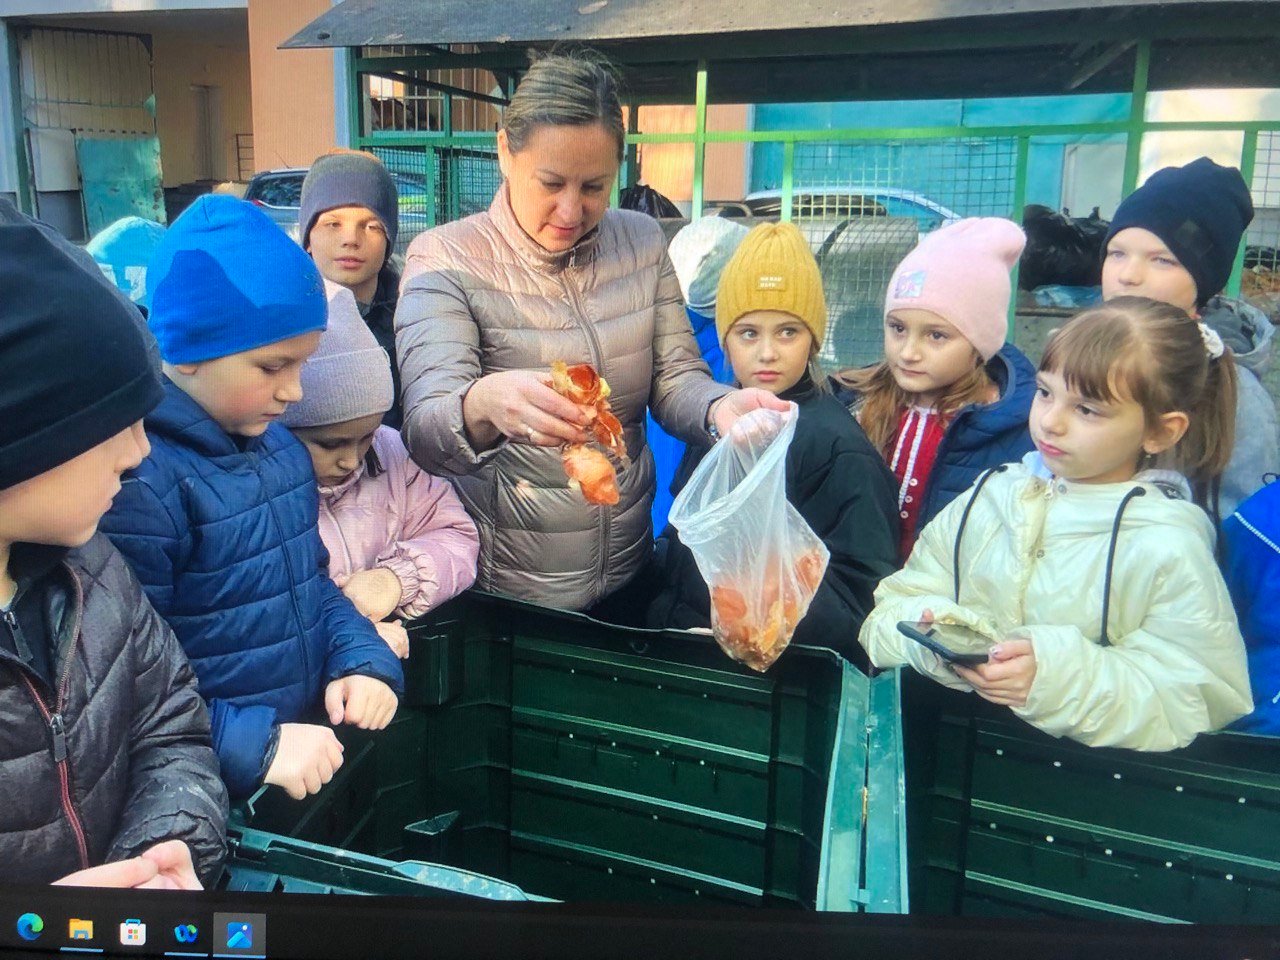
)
(644, 198)
(1061, 249)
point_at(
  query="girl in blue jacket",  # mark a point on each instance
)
(951, 398)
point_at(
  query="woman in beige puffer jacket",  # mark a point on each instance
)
(548, 273)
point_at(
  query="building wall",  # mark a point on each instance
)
(294, 103)
(206, 49)
(668, 167)
(219, 60)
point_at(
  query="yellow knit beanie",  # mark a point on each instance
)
(772, 269)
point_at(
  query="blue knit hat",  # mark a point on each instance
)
(1199, 211)
(225, 279)
(349, 179)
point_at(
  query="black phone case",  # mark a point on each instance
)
(950, 656)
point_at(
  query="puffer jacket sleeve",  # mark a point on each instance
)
(175, 792)
(355, 648)
(1180, 674)
(849, 503)
(927, 582)
(435, 555)
(1251, 566)
(438, 350)
(146, 534)
(155, 545)
(683, 390)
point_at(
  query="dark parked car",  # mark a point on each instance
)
(279, 193)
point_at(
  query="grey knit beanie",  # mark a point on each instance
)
(349, 180)
(349, 375)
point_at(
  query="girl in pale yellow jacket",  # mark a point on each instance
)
(1091, 573)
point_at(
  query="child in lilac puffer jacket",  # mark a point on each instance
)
(399, 541)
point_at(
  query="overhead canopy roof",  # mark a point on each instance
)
(763, 50)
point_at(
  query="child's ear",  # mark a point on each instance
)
(186, 369)
(1166, 432)
(504, 154)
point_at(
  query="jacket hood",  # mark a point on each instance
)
(1244, 328)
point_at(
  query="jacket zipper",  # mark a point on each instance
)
(342, 538)
(288, 566)
(597, 359)
(57, 725)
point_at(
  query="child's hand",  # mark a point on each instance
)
(306, 759)
(396, 636)
(1007, 675)
(360, 701)
(376, 593)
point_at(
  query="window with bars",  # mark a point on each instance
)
(417, 101)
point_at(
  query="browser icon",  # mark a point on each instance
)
(30, 926)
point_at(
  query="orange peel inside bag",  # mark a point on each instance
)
(762, 563)
(589, 468)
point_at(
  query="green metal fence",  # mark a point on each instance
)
(862, 196)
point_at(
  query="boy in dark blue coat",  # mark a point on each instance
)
(219, 522)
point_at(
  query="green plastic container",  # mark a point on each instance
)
(577, 760)
(1008, 821)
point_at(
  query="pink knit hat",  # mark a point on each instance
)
(961, 273)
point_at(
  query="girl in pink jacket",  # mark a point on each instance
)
(399, 541)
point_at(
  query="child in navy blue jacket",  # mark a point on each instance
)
(220, 521)
(1251, 566)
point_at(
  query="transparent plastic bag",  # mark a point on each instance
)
(761, 561)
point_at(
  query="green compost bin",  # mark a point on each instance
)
(554, 756)
(1007, 821)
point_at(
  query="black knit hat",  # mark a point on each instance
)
(349, 179)
(74, 363)
(1199, 211)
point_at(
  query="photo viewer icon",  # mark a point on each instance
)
(239, 936)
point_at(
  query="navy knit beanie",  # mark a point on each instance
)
(349, 180)
(1199, 211)
(226, 279)
(74, 363)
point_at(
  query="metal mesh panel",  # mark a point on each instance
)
(863, 206)
(1260, 282)
(439, 184)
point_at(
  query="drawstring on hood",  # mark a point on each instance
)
(1173, 485)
